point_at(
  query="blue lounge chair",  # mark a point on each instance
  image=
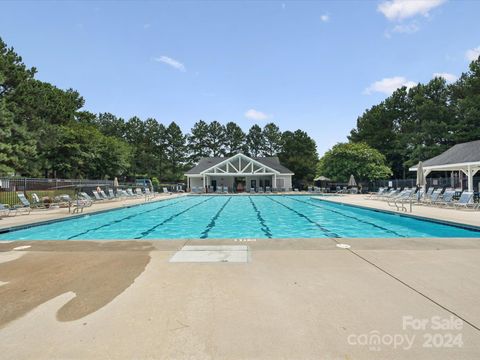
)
(6, 210)
(25, 205)
(446, 199)
(465, 201)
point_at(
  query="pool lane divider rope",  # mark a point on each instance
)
(350, 217)
(126, 218)
(212, 223)
(266, 230)
(146, 232)
(325, 230)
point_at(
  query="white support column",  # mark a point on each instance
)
(203, 182)
(470, 178)
(274, 185)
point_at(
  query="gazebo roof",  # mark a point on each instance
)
(457, 156)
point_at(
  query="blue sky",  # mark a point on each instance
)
(309, 65)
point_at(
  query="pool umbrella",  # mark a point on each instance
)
(352, 181)
(115, 182)
(321, 178)
(420, 175)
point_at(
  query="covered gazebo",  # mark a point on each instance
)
(463, 157)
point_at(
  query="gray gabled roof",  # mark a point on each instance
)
(458, 154)
(205, 163)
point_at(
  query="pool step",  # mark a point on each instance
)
(211, 253)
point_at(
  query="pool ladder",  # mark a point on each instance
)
(400, 204)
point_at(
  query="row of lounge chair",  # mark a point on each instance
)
(317, 190)
(83, 200)
(23, 208)
(433, 197)
(224, 190)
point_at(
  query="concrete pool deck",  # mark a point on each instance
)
(294, 299)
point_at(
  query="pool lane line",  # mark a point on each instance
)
(266, 230)
(146, 232)
(211, 224)
(350, 217)
(325, 230)
(123, 219)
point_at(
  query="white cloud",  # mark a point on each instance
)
(172, 62)
(389, 85)
(406, 28)
(256, 115)
(450, 78)
(472, 54)
(325, 18)
(395, 10)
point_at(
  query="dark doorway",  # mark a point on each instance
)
(239, 184)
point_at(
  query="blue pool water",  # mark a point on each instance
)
(237, 217)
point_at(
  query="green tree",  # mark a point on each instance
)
(465, 100)
(234, 139)
(299, 154)
(135, 136)
(110, 125)
(8, 158)
(175, 148)
(197, 141)
(114, 157)
(154, 147)
(255, 141)
(16, 146)
(272, 140)
(357, 159)
(13, 71)
(216, 139)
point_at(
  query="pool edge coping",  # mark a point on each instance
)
(408, 215)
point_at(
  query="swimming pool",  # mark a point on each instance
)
(263, 216)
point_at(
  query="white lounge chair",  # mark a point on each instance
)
(25, 204)
(446, 199)
(130, 193)
(465, 201)
(97, 196)
(6, 210)
(434, 197)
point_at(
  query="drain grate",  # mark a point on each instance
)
(211, 254)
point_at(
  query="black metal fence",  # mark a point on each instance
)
(441, 182)
(51, 188)
(46, 187)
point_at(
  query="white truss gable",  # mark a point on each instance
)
(239, 165)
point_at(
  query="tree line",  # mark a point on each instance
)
(419, 123)
(409, 126)
(44, 132)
